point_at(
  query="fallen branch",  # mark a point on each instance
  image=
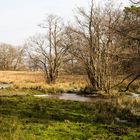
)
(123, 80)
(135, 78)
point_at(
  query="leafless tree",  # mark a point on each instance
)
(48, 50)
(92, 43)
(135, 1)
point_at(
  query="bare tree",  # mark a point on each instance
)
(92, 43)
(135, 1)
(48, 50)
(85, 40)
(19, 61)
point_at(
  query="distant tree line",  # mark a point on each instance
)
(11, 57)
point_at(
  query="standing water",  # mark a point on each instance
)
(72, 97)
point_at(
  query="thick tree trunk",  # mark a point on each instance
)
(92, 80)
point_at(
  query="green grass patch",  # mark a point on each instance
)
(30, 118)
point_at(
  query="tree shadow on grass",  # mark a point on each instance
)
(43, 110)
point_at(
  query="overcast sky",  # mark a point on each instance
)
(19, 18)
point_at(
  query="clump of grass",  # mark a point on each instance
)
(53, 88)
(132, 104)
(123, 108)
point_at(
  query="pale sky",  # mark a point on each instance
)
(19, 18)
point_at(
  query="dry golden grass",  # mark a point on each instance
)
(35, 77)
(35, 80)
(129, 103)
(21, 77)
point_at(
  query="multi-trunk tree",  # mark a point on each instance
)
(48, 50)
(92, 43)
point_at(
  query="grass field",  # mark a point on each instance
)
(29, 118)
